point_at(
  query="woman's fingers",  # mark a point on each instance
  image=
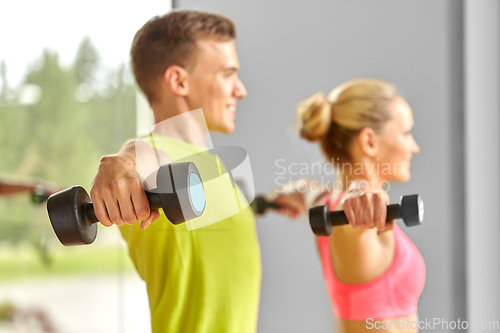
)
(389, 225)
(349, 212)
(368, 210)
(380, 211)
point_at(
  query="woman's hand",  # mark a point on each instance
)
(367, 210)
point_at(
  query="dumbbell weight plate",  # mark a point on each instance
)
(67, 207)
(179, 192)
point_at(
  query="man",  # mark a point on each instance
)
(208, 279)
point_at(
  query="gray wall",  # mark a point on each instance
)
(482, 123)
(291, 49)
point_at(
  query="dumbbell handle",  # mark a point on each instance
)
(339, 218)
(88, 207)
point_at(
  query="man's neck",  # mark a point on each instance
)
(178, 122)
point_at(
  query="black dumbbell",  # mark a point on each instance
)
(410, 209)
(39, 195)
(260, 205)
(179, 192)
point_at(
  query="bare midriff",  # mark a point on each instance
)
(390, 325)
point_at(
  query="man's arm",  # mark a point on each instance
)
(364, 210)
(297, 197)
(117, 191)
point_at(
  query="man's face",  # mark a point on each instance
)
(214, 85)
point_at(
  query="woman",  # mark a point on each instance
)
(373, 273)
(40, 190)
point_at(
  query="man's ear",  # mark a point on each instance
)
(368, 141)
(176, 79)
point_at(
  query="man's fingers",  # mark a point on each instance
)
(127, 210)
(155, 215)
(290, 207)
(147, 222)
(141, 204)
(289, 203)
(297, 212)
(101, 213)
(113, 211)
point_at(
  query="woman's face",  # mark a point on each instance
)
(397, 145)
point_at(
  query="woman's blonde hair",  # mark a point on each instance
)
(349, 108)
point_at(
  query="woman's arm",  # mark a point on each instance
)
(362, 250)
(8, 188)
(27, 186)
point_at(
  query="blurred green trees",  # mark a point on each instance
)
(85, 111)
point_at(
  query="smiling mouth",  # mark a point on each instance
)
(231, 108)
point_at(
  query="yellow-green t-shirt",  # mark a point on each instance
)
(205, 280)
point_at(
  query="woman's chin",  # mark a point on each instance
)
(404, 178)
(400, 178)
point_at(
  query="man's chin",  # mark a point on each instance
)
(224, 129)
(228, 130)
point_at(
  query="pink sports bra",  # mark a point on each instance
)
(393, 294)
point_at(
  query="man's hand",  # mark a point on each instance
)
(368, 210)
(117, 192)
(291, 204)
(297, 197)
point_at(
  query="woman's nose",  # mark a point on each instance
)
(416, 148)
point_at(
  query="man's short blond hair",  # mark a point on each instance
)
(171, 40)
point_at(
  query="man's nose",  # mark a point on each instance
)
(239, 89)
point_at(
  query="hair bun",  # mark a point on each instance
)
(314, 116)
